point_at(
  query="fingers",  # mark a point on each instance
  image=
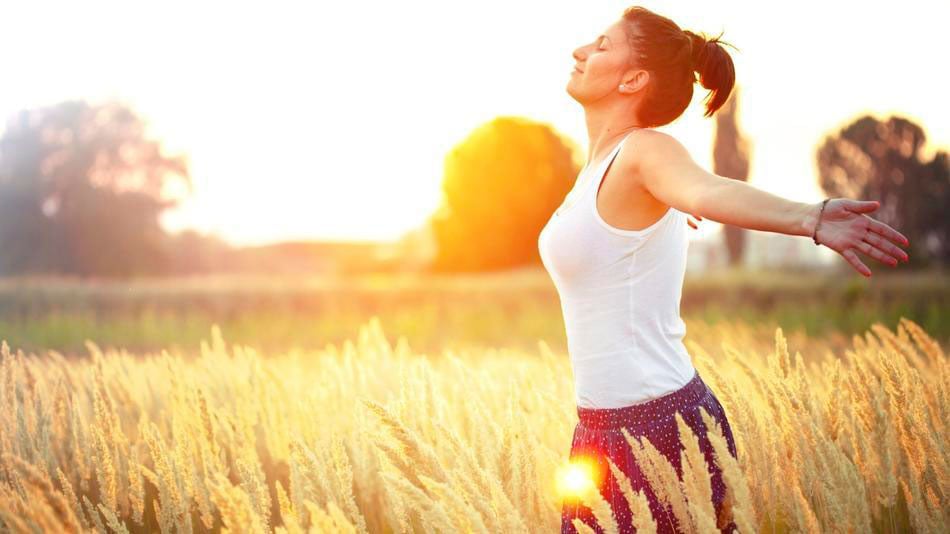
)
(862, 206)
(888, 232)
(877, 253)
(856, 263)
(892, 252)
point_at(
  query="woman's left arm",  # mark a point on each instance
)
(667, 171)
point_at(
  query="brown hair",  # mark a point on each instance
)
(673, 57)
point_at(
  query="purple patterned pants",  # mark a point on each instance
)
(597, 435)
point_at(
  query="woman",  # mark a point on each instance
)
(616, 250)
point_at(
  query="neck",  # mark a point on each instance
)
(605, 128)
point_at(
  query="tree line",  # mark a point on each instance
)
(82, 190)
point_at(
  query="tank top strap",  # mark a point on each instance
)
(606, 161)
(613, 154)
(594, 174)
(597, 179)
(602, 170)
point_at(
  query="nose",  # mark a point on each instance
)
(577, 54)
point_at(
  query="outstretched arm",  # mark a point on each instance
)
(666, 169)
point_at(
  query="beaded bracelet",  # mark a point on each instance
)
(814, 235)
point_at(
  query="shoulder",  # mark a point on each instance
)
(647, 149)
(647, 142)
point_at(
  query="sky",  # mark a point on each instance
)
(331, 120)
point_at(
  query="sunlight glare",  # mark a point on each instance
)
(576, 478)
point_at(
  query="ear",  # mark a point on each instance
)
(635, 80)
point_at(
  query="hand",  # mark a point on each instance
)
(692, 224)
(845, 228)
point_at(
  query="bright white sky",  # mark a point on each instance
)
(331, 121)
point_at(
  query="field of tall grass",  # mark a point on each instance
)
(510, 309)
(371, 435)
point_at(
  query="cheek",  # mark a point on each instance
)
(598, 67)
(597, 77)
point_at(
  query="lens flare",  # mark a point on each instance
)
(577, 478)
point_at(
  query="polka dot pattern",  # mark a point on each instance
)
(598, 436)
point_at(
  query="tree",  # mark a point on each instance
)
(81, 192)
(874, 160)
(501, 185)
(731, 160)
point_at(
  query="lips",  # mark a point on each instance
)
(577, 69)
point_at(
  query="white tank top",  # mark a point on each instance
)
(620, 296)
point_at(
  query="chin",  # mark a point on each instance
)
(568, 90)
(571, 93)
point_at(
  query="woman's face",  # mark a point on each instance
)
(600, 65)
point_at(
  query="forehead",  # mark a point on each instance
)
(614, 32)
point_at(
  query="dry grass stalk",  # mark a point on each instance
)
(641, 516)
(662, 477)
